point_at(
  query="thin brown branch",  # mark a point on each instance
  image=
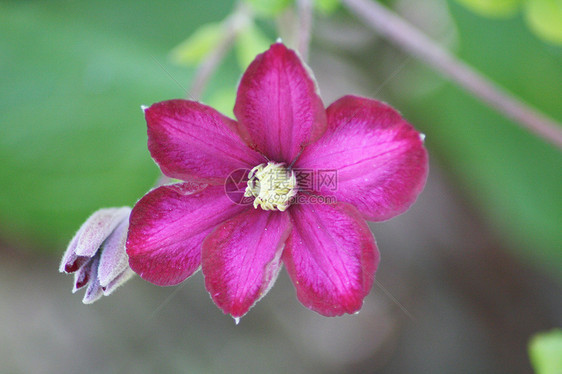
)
(233, 24)
(414, 42)
(210, 64)
(305, 26)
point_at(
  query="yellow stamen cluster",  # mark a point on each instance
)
(272, 185)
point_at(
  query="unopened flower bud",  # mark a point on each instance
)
(96, 255)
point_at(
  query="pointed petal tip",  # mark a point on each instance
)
(92, 299)
(278, 106)
(97, 228)
(82, 277)
(79, 284)
(144, 108)
(69, 258)
(117, 282)
(93, 293)
(69, 268)
(422, 137)
(178, 133)
(73, 265)
(241, 259)
(331, 257)
(236, 320)
(279, 40)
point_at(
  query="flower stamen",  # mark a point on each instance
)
(273, 185)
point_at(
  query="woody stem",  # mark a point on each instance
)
(414, 42)
(305, 26)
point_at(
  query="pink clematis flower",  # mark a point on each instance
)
(282, 126)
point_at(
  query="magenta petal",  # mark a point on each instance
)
(380, 159)
(241, 258)
(193, 142)
(167, 227)
(331, 256)
(278, 103)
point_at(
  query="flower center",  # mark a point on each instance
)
(272, 185)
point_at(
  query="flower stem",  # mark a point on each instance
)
(305, 26)
(413, 41)
(210, 64)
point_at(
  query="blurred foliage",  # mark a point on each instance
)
(326, 6)
(545, 350)
(72, 135)
(493, 7)
(544, 17)
(272, 8)
(194, 49)
(250, 42)
(513, 177)
(269, 8)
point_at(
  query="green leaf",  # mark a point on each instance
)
(545, 19)
(545, 351)
(195, 48)
(250, 42)
(326, 6)
(72, 134)
(269, 8)
(510, 175)
(223, 100)
(492, 8)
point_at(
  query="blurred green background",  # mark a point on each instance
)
(73, 75)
